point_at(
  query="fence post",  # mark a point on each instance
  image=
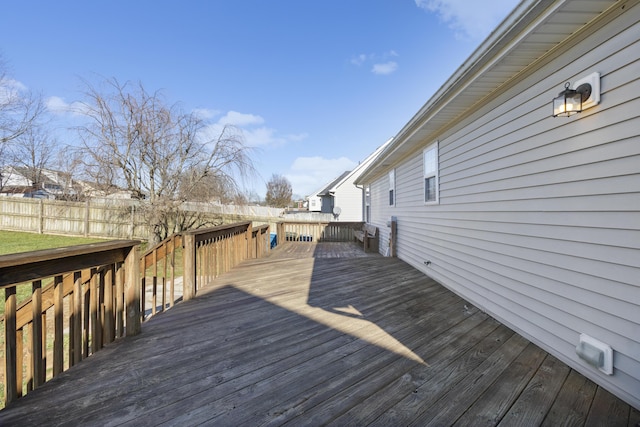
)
(132, 292)
(86, 218)
(189, 275)
(41, 217)
(132, 223)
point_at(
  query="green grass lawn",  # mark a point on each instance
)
(12, 242)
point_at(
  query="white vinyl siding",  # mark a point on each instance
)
(381, 211)
(538, 220)
(348, 198)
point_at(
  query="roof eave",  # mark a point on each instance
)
(498, 44)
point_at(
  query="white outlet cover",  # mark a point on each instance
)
(607, 366)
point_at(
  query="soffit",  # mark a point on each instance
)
(532, 30)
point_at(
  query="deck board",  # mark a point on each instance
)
(320, 334)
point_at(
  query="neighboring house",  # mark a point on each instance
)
(342, 197)
(13, 183)
(534, 219)
(19, 182)
(323, 200)
(49, 184)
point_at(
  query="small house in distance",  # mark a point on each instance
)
(323, 200)
(533, 218)
(342, 197)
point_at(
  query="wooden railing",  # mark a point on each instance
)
(90, 290)
(317, 231)
(213, 251)
(194, 258)
(97, 293)
(160, 266)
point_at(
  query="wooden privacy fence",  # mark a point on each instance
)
(317, 231)
(96, 293)
(110, 219)
(90, 290)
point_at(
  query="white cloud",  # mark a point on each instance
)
(59, 106)
(205, 113)
(10, 89)
(261, 136)
(251, 126)
(470, 20)
(240, 119)
(385, 68)
(308, 174)
(359, 59)
(380, 63)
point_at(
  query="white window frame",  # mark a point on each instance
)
(367, 203)
(431, 170)
(392, 187)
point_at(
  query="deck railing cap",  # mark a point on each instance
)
(64, 252)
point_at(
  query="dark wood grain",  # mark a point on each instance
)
(319, 334)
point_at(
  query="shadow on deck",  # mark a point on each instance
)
(321, 334)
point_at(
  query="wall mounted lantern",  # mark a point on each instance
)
(569, 101)
(585, 95)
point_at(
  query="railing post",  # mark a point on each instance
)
(189, 258)
(249, 241)
(10, 373)
(132, 293)
(280, 232)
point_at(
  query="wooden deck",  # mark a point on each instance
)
(321, 334)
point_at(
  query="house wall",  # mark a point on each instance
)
(349, 199)
(315, 204)
(539, 218)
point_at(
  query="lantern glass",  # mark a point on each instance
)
(567, 102)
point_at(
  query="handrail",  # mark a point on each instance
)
(209, 252)
(314, 231)
(93, 291)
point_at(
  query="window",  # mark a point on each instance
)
(392, 187)
(430, 159)
(367, 204)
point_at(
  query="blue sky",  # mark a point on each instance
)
(316, 86)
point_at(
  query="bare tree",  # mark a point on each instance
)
(136, 141)
(278, 191)
(33, 151)
(19, 112)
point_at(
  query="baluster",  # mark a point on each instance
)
(154, 284)
(109, 332)
(38, 367)
(10, 377)
(76, 337)
(120, 299)
(58, 326)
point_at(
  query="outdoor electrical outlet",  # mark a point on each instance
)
(596, 353)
